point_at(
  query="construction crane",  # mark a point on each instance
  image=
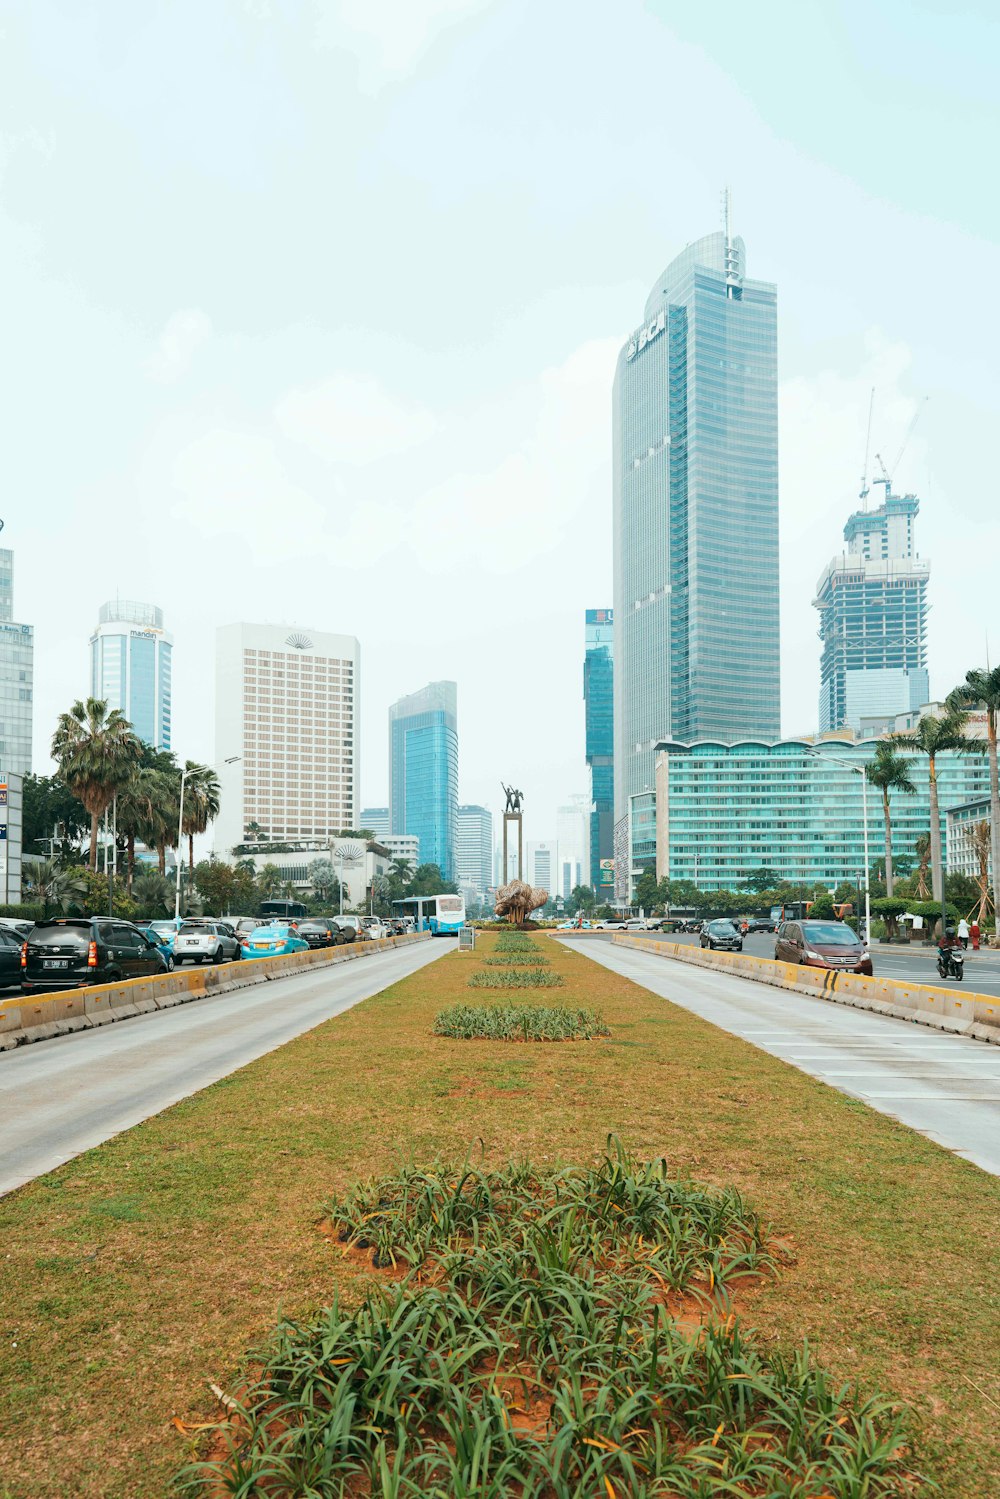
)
(863, 491)
(886, 478)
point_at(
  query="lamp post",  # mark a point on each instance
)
(859, 770)
(231, 760)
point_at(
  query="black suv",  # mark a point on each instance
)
(70, 952)
(319, 931)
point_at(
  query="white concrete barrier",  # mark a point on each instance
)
(962, 1011)
(37, 1017)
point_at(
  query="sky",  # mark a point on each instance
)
(311, 311)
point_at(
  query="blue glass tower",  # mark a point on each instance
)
(598, 698)
(130, 667)
(423, 772)
(695, 435)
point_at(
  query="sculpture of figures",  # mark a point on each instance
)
(516, 900)
(514, 798)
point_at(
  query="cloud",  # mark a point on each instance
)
(183, 334)
(351, 419)
(388, 37)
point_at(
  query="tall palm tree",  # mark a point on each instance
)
(201, 803)
(96, 751)
(138, 812)
(889, 772)
(932, 737)
(983, 686)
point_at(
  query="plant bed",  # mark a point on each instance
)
(518, 1023)
(515, 978)
(535, 1350)
(512, 959)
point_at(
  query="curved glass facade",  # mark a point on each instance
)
(423, 772)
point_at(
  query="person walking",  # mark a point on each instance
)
(963, 933)
(974, 934)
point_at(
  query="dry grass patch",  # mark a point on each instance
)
(137, 1273)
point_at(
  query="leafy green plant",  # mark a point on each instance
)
(515, 978)
(518, 1023)
(536, 1354)
(511, 959)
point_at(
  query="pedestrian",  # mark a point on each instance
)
(963, 933)
(974, 934)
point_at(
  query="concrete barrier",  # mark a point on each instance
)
(37, 1017)
(961, 1011)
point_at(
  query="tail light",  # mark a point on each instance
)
(92, 955)
(24, 954)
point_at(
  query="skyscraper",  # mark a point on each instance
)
(17, 656)
(423, 771)
(474, 849)
(573, 845)
(695, 463)
(598, 700)
(873, 618)
(286, 712)
(376, 819)
(130, 663)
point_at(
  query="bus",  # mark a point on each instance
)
(440, 914)
(281, 910)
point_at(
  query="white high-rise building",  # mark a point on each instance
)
(286, 714)
(130, 666)
(474, 849)
(17, 656)
(572, 838)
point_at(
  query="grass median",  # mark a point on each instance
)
(137, 1274)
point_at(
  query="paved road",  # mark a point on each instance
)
(917, 964)
(61, 1097)
(948, 1087)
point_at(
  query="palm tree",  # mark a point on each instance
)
(983, 686)
(96, 751)
(201, 803)
(889, 772)
(932, 737)
(55, 884)
(138, 803)
(922, 849)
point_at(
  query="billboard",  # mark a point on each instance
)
(607, 875)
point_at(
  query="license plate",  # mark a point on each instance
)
(55, 962)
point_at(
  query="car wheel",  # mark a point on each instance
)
(219, 957)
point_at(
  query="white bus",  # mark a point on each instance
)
(440, 914)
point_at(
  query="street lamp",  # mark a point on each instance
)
(860, 770)
(232, 760)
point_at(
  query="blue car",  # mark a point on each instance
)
(273, 941)
(163, 934)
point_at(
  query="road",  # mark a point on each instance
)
(61, 1097)
(947, 1087)
(917, 964)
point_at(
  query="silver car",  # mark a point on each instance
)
(206, 942)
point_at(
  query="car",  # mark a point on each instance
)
(348, 931)
(759, 924)
(273, 940)
(206, 942)
(637, 924)
(243, 925)
(354, 922)
(163, 934)
(721, 935)
(17, 926)
(822, 944)
(11, 943)
(69, 952)
(575, 925)
(320, 931)
(611, 924)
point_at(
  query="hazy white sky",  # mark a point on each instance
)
(312, 308)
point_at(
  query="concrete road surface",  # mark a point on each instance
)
(61, 1097)
(948, 1087)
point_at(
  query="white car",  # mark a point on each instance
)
(375, 927)
(612, 924)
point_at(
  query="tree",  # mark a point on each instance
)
(254, 833)
(96, 751)
(270, 880)
(822, 908)
(982, 686)
(201, 803)
(153, 894)
(645, 890)
(50, 811)
(54, 884)
(582, 898)
(428, 880)
(761, 879)
(922, 849)
(323, 879)
(889, 772)
(933, 737)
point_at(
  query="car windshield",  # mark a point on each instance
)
(162, 926)
(829, 934)
(270, 933)
(722, 926)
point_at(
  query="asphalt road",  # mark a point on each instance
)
(948, 1087)
(61, 1097)
(918, 964)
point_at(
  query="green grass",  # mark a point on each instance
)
(518, 1023)
(515, 978)
(511, 959)
(537, 1354)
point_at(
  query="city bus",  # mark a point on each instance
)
(281, 910)
(440, 914)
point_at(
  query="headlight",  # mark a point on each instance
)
(810, 954)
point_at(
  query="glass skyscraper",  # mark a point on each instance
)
(474, 849)
(17, 656)
(598, 699)
(695, 463)
(130, 661)
(873, 618)
(423, 772)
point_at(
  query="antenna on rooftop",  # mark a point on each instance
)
(727, 212)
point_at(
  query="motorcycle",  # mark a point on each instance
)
(951, 963)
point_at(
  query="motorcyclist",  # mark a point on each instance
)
(947, 942)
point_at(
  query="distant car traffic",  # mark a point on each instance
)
(320, 931)
(375, 927)
(722, 936)
(759, 924)
(206, 942)
(822, 944)
(574, 926)
(72, 951)
(273, 940)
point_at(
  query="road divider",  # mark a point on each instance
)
(38, 1017)
(968, 1014)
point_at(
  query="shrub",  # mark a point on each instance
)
(518, 1023)
(516, 978)
(511, 959)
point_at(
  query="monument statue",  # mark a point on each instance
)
(516, 901)
(514, 798)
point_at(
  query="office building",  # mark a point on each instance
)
(695, 473)
(11, 825)
(474, 849)
(968, 836)
(286, 714)
(541, 861)
(400, 846)
(17, 656)
(423, 771)
(376, 820)
(130, 665)
(573, 844)
(599, 727)
(355, 862)
(872, 601)
(792, 806)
